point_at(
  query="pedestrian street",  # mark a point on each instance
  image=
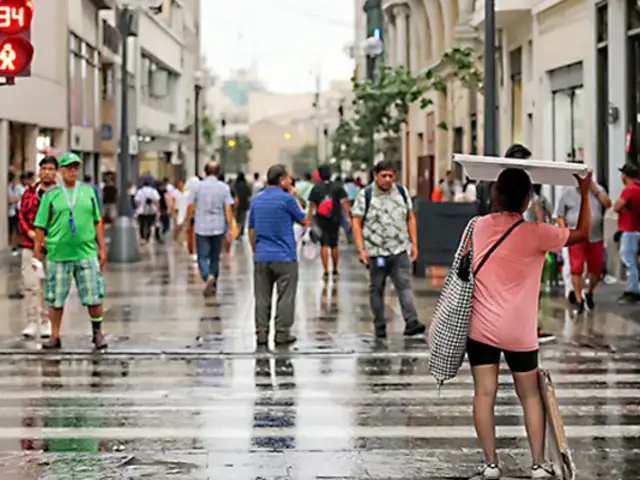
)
(182, 392)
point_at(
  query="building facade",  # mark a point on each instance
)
(33, 118)
(573, 102)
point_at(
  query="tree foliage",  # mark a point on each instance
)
(303, 160)
(381, 105)
(238, 149)
(208, 130)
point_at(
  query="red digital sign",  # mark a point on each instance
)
(15, 16)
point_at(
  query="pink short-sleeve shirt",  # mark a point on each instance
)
(505, 298)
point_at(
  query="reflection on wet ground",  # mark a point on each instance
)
(183, 394)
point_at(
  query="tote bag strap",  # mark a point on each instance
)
(497, 244)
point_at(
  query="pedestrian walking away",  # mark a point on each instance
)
(147, 201)
(328, 203)
(70, 216)
(37, 316)
(271, 219)
(211, 204)
(628, 209)
(504, 314)
(384, 231)
(243, 194)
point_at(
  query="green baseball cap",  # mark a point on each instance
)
(69, 158)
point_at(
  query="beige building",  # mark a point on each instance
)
(281, 124)
(546, 70)
(33, 116)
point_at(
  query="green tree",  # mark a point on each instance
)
(381, 106)
(238, 150)
(208, 130)
(303, 160)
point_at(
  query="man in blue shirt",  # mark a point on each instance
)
(271, 218)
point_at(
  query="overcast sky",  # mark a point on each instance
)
(289, 40)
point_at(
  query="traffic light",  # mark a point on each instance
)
(16, 50)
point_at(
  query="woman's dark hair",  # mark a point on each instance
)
(275, 174)
(537, 189)
(383, 166)
(240, 178)
(518, 151)
(511, 190)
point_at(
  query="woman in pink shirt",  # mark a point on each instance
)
(504, 316)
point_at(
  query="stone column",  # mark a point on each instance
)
(617, 49)
(31, 148)
(4, 168)
(402, 34)
(390, 40)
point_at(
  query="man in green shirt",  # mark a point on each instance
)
(70, 216)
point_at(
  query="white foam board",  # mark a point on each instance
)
(545, 172)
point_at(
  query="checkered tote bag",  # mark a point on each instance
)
(448, 331)
(450, 325)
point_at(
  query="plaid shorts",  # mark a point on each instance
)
(88, 278)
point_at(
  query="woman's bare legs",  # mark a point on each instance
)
(485, 381)
(528, 390)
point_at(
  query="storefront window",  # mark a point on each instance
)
(516, 110)
(568, 125)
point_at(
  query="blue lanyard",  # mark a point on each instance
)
(71, 202)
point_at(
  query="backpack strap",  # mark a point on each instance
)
(403, 192)
(368, 194)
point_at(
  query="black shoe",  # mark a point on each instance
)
(580, 307)
(99, 341)
(16, 296)
(381, 332)
(588, 297)
(52, 344)
(572, 298)
(629, 298)
(414, 329)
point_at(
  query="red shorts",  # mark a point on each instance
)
(590, 252)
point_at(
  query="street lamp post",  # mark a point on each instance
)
(196, 147)
(124, 242)
(490, 134)
(223, 146)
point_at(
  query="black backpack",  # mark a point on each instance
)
(368, 195)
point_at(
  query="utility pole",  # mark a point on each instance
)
(316, 106)
(373, 10)
(196, 146)
(223, 146)
(490, 133)
(124, 242)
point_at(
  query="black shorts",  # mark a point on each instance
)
(13, 225)
(330, 232)
(482, 354)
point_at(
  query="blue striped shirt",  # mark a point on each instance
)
(272, 215)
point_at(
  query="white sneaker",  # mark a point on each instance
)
(491, 471)
(543, 471)
(45, 329)
(31, 330)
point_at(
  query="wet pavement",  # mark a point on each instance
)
(182, 392)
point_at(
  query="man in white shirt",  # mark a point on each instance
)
(147, 201)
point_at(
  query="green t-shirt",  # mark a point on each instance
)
(53, 217)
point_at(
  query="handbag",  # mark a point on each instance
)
(450, 326)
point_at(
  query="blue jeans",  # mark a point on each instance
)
(629, 246)
(208, 248)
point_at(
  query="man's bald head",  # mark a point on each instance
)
(212, 169)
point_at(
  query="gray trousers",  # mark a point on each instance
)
(284, 276)
(400, 270)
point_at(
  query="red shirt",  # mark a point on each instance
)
(27, 213)
(629, 217)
